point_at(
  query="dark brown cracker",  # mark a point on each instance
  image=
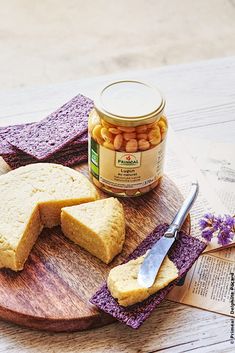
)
(83, 139)
(66, 160)
(17, 160)
(41, 140)
(184, 253)
(70, 161)
(72, 148)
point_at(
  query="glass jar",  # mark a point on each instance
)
(127, 133)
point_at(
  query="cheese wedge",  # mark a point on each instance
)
(98, 227)
(123, 285)
(32, 198)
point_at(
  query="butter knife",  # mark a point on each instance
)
(155, 256)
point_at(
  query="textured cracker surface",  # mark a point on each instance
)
(72, 154)
(183, 253)
(6, 149)
(43, 139)
(10, 131)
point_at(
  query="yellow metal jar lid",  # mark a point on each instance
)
(129, 103)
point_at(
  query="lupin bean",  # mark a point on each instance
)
(129, 136)
(116, 191)
(154, 184)
(117, 143)
(108, 145)
(106, 134)
(144, 189)
(131, 192)
(140, 129)
(142, 136)
(106, 124)
(154, 136)
(96, 132)
(114, 130)
(132, 146)
(143, 145)
(126, 129)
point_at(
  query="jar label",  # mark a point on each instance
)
(124, 170)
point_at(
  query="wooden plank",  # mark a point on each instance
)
(198, 95)
(172, 328)
(188, 88)
(221, 132)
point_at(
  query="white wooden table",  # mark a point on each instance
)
(201, 103)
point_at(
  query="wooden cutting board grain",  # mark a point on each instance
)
(52, 292)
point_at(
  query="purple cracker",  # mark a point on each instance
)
(61, 154)
(5, 147)
(71, 160)
(68, 161)
(42, 139)
(83, 139)
(16, 163)
(184, 253)
(68, 157)
(72, 148)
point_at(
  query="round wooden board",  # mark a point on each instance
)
(52, 292)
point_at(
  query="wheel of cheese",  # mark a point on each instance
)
(31, 198)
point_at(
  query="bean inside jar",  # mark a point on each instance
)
(129, 139)
(126, 157)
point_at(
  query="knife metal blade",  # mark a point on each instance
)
(155, 256)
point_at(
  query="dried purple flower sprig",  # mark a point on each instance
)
(222, 227)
